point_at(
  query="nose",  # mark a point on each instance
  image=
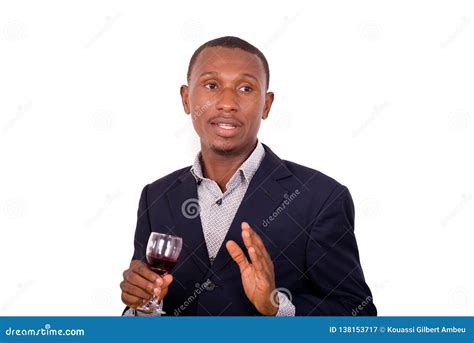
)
(227, 101)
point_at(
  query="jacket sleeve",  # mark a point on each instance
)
(332, 263)
(142, 232)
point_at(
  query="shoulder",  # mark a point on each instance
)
(167, 182)
(309, 179)
(312, 179)
(319, 191)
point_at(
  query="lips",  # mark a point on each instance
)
(226, 126)
(225, 129)
(225, 122)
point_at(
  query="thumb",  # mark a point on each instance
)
(167, 280)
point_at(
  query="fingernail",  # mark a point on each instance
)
(246, 234)
(159, 282)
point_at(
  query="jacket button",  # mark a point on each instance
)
(210, 286)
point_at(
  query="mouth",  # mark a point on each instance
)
(224, 129)
(226, 126)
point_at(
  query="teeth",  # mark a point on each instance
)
(226, 126)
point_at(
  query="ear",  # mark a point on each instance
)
(184, 90)
(269, 97)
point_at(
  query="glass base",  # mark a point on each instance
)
(151, 308)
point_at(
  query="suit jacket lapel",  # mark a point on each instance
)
(263, 195)
(183, 201)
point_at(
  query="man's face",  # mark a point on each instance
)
(227, 99)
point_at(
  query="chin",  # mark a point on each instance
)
(223, 148)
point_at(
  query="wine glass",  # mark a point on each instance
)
(162, 253)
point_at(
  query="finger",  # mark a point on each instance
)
(256, 259)
(132, 300)
(249, 244)
(147, 273)
(134, 290)
(246, 238)
(137, 280)
(254, 236)
(167, 280)
(162, 294)
(266, 263)
(255, 239)
(237, 254)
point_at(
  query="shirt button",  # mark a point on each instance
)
(219, 202)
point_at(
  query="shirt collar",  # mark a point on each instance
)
(248, 168)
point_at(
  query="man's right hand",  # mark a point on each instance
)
(140, 284)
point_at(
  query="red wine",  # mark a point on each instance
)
(159, 264)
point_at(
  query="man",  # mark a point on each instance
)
(261, 236)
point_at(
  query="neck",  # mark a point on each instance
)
(221, 167)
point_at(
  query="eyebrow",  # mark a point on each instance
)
(214, 74)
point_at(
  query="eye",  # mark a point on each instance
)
(246, 89)
(211, 85)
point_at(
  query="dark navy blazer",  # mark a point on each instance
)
(306, 220)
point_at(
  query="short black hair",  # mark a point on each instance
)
(231, 42)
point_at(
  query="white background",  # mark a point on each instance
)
(378, 95)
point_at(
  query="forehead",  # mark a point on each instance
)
(228, 60)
